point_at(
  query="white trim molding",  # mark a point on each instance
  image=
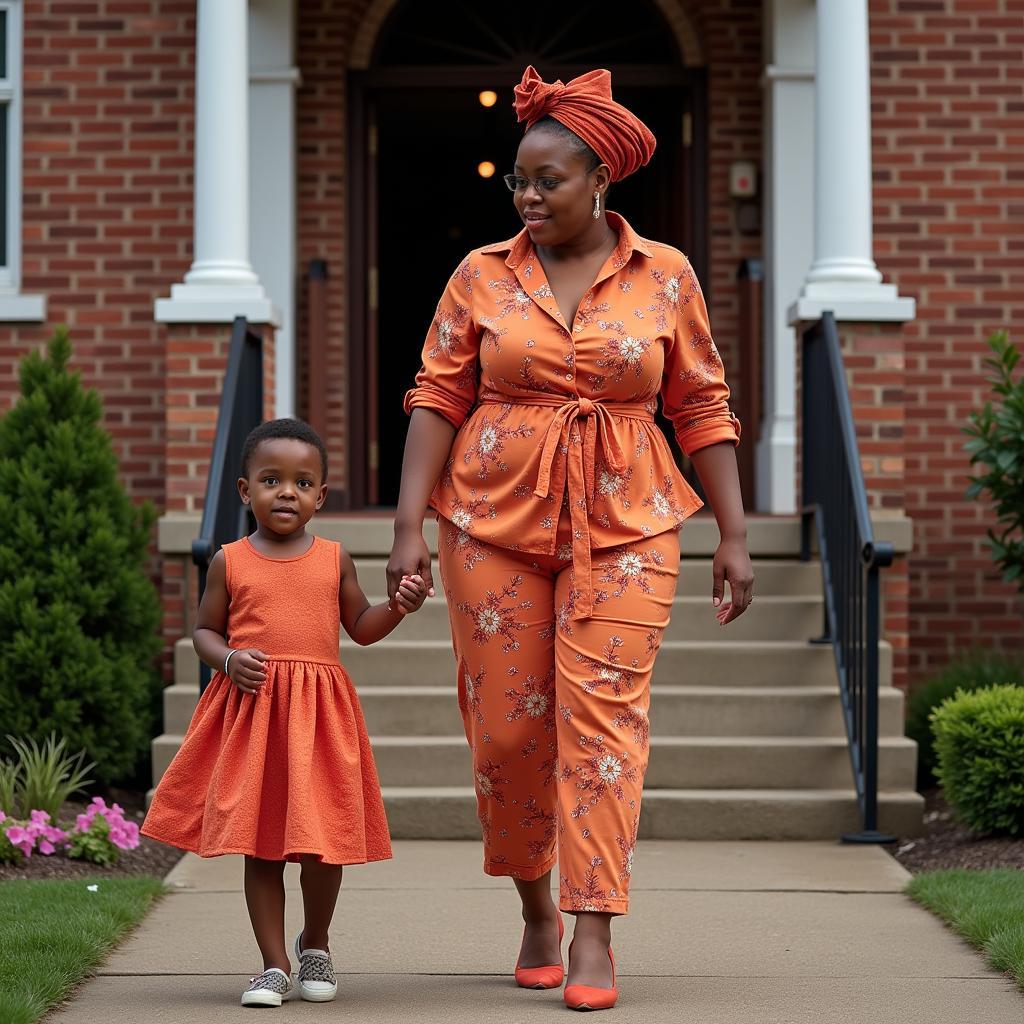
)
(273, 187)
(14, 307)
(788, 116)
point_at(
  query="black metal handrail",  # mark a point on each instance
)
(225, 518)
(835, 504)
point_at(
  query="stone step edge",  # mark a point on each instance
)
(370, 535)
(741, 646)
(708, 742)
(892, 742)
(732, 795)
(664, 689)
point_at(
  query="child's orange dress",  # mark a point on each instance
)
(289, 770)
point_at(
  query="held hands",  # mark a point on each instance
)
(410, 558)
(246, 671)
(732, 563)
(411, 593)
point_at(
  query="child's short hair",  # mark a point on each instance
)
(297, 430)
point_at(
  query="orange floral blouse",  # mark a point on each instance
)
(550, 417)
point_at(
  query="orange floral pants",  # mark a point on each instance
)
(555, 708)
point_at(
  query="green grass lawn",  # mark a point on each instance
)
(54, 933)
(984, 907)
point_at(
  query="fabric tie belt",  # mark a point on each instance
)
(578, 469)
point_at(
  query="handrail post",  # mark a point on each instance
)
(835, 501)
(241, 410)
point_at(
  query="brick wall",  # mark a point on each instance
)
(729, 32)
(876, 370)
(948, 152)
(107, 203)
(196, 358)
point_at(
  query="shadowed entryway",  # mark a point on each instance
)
(428, 158)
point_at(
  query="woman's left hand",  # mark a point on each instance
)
(732, 563)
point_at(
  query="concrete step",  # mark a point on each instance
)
(369, 534)
(372, 536)
(450, 812)
(715, 662)
(785, 577)
(688, 762)
(693, 618)
(675, 711)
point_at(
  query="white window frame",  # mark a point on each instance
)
(14, 306)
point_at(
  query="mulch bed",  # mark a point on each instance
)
(948, 844)
(148, 858)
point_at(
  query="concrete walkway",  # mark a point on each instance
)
(720, 933)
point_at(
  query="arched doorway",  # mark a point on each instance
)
(418, 134)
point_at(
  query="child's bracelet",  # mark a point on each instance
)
(227, 659)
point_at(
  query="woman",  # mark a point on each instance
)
(533, 438)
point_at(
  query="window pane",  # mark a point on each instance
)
(4, 109)
(3, 44)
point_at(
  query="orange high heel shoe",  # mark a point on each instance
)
(587, 997)
(550, 976)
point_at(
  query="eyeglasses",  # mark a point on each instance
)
(545, 185)
(519, 183)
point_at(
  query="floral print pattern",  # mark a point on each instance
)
(499, 344)
(557, 721)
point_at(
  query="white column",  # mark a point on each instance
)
(843, 276)
(221, 283)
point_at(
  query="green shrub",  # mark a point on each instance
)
(979, 742)
(997, 446)
(971, 672)
(78, 614)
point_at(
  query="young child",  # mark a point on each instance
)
(276, 764)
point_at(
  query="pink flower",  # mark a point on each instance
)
(40, 818)
(16, 834)
(45, 846)
(82, 822)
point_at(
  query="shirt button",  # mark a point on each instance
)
(568, 376)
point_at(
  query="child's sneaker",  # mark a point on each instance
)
(270, 988)
(315, 979)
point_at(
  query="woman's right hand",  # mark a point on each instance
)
(246, 671)
(410, 556)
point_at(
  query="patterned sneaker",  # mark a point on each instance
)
(271, 988)
(315, 979)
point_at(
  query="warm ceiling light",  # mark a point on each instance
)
(488, 98)
(485, 169)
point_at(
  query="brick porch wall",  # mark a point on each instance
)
(730, 34)
(107, 207)
(876, 370)
(948, 150)
(196, 360)
(107, 203)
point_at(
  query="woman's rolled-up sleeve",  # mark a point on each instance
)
(694, 394)
(447, 380)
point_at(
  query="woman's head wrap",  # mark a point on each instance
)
(585, 106)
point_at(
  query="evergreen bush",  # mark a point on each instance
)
(979, 742)
(970, 672)
(79, 616)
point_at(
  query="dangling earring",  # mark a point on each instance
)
(597, 205)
